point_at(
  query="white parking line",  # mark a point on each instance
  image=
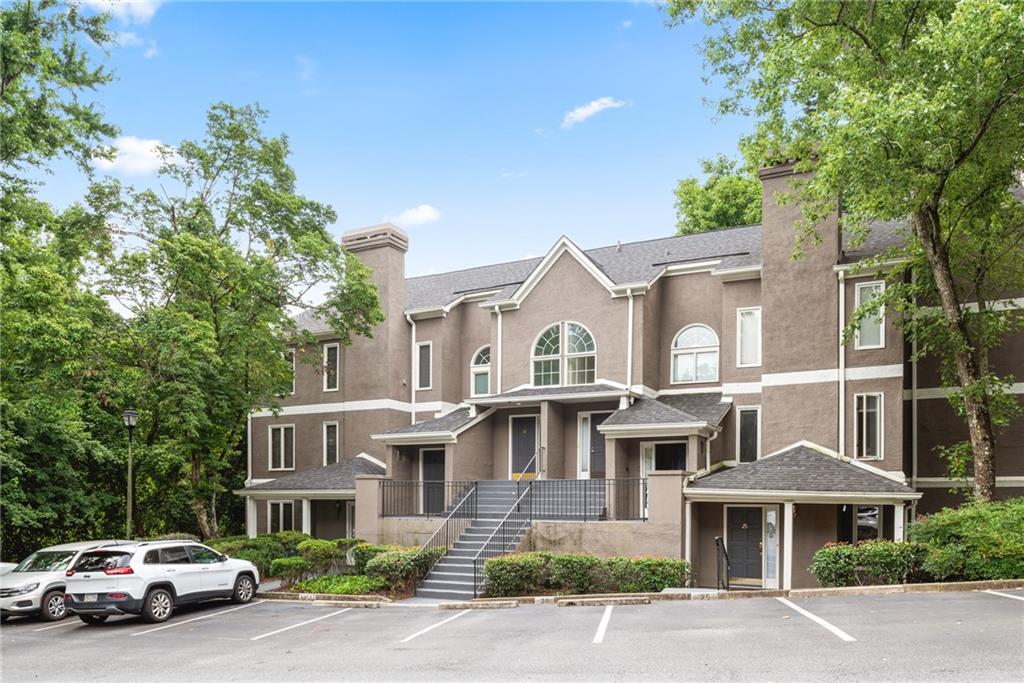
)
(1006, 595)
(843, 635)
(431, 628)
(189, 621)
(69, 622)
(603, 626)
(310, 621)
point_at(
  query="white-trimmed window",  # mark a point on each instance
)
(480, 372)
(280, 515)
(870, 334)
(331, 355)
(748, 433)
(867, 523)
(695, 355)
(282, 447)
(330, 443)
(569, 342)
(424, 357)
(748, 337)
(868, 430)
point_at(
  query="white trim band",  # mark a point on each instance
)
(354, 406)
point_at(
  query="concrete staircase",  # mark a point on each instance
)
(452, 577)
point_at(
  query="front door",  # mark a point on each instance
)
(743, 534)
(524, 446)
(597, 452)
(432, 472)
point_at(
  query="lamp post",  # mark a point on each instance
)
(130, 418)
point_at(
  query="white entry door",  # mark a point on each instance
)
(646, 467)
(771, 546)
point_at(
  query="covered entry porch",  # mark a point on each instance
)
(766, 519)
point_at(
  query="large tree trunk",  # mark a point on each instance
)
(979, 420)
(207, 528)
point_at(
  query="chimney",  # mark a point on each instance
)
(374, 237)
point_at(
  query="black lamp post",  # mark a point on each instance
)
(130, 418)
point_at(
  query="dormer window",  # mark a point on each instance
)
(566, 342)
(480, 372)
(695, 355)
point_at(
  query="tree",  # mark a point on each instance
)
(910, 111)
(727, 198)
(208, 270)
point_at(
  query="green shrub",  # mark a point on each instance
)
(835, 565)
(263, 549)
(516, 574)
(343, 585)
(976, 541)
(321, 555)
(646, 574)
(229, 548)
(174, 536)
(364, 552)
(395, 566)
(574, 573)
(290, 569)
(290, 541)
(346, 544)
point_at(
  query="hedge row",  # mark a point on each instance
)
(974, 542)
(343, 585)
(574, 573)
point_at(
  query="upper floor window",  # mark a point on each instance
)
(748, 337)
(330, 443)
(282, 447)
(480, 372)
(424, 353)
(867, 436)
(331, 352)
(870, 333)
(748, 438)
(695, 355)
(568, 342)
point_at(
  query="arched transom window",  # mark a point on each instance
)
(695, 355)
(569, 344)
(480, 372)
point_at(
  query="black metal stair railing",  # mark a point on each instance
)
(506, 536)
(723, 569)
(588, 500)
(420, 498)
(459, 518)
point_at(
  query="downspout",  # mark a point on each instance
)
(497, 355)
(629, 343)
(412, 373)
(842, 364)
(913, 415)
(707, 450)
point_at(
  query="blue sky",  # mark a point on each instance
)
(454, 119)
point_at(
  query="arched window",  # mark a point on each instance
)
(480, 372)
(566, 341)
(695, 355)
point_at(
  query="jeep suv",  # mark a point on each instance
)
(151, 578)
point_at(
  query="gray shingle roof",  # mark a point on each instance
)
(427, 291)
(540, 392)
(708, 407)
(800, 468)
(646, 411)
(445, 423)
(339, 476)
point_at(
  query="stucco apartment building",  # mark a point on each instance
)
(665, 392)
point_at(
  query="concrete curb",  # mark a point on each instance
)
(490, 604)
(600, 602)
(317, 597)
(360, 604)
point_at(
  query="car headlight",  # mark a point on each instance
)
(21, 590)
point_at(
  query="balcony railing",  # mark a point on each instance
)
(588, 500)
(421, 498)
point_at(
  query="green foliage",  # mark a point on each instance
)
(974, 542)
(401, 566)
(909, 112)
(569, 573)
(866, 563)
(835, 565)
(346, 544)
(320, 554)
(343, 585)
(290, 569)
(263, 549)
(364, 552)
(175, 536)
(727, 198)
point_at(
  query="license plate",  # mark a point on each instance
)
(89, 597)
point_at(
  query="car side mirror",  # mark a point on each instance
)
(223, 558)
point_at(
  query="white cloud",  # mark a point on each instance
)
(126, 11)
(418, 215)
(584, 112)
(134, 156)
(513, 174)
(307, 68)
(128, 39)
(628, 23)
(151, 51)
(538, 131)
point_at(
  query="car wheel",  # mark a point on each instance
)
(93, 619)
(53, 608)
(245, 588)
(158, 606)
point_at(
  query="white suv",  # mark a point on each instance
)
(36, 584)
(152, 577)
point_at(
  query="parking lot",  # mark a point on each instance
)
(914, 636)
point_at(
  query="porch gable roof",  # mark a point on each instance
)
(339, 476)
(578, 392)
(804, 467)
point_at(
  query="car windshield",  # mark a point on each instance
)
(45, 561)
